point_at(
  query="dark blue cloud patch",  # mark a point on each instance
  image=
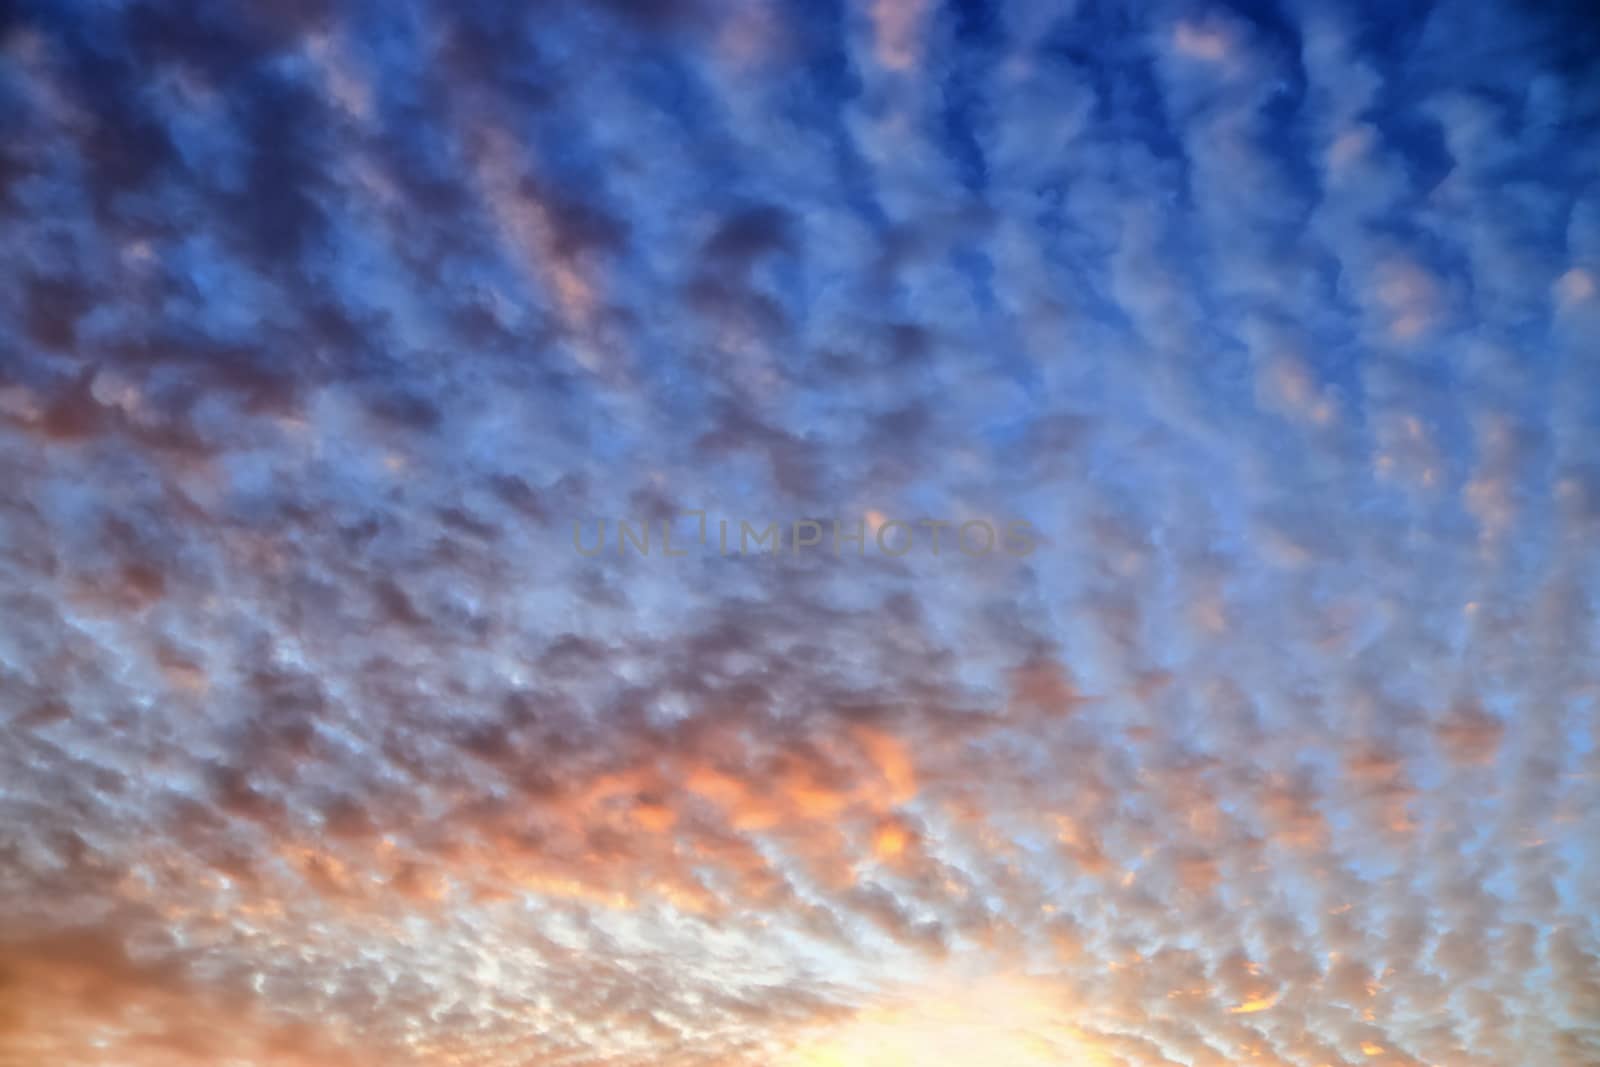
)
(284, 126)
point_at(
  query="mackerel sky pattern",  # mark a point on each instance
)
(323, 324)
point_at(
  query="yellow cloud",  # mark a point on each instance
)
(1015, 1021)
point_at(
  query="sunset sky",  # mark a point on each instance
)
(335, 335)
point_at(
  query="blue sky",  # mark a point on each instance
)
(328, 323)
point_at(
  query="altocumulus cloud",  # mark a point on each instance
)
(324, 322)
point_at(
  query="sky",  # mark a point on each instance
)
(1122, 490)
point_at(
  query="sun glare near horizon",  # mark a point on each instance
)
(1012, 1021)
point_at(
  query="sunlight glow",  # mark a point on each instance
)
(1011, 1021)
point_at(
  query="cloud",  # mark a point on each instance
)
(320, 743)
